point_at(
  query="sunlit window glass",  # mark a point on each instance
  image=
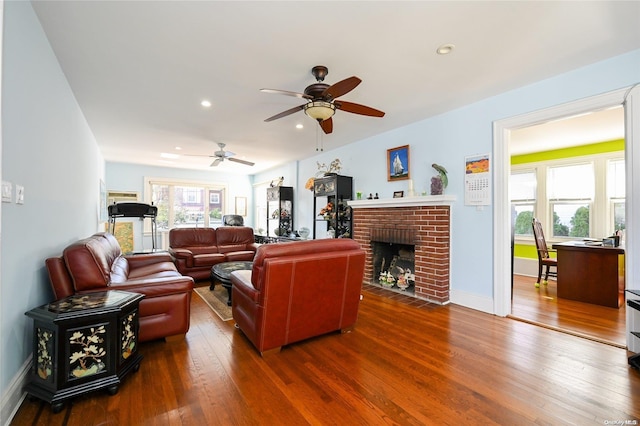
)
(575, 182)
(523, 195)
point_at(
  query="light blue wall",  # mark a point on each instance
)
(447, 139)
(130, 177)
(48, 148)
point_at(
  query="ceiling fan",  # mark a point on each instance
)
(322, 100)
(222, 155)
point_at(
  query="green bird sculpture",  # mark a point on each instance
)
(443, 174)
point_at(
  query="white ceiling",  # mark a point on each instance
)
(140, 69)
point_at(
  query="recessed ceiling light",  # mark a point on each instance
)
(205, 103)
(445, 49)
(299, 126)
(178, 148)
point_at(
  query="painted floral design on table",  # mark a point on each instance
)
(128, 336)
(45, 348)
(88, 360)
(80, 302)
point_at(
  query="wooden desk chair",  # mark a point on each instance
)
(544, 260)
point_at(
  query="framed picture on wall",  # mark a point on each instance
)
(398, 163)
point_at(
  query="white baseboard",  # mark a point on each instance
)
(527, 267)
(14, 394)
(471, 300)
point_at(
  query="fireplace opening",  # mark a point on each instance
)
(394, 266)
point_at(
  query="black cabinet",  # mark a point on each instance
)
(333, 214)
(279, 211)
(83, 343)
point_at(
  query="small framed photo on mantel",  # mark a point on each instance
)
(398, 194)
(398, 163)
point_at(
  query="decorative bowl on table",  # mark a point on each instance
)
(304, 232)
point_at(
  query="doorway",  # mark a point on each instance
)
(630, 98)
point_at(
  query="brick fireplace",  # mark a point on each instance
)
(427, 218)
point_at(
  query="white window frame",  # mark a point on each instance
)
(527, 202)
(171, 182)
(600, 211)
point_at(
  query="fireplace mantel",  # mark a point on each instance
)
(423, 200)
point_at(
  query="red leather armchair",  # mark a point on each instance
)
(196, 250)
(97, 264)
(298, 290)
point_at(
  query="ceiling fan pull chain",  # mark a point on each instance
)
(319, 140)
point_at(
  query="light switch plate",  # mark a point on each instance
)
(7, 190)
(19, 194)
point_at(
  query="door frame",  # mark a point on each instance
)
(629, 98)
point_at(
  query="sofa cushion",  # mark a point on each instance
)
(236, 256)
(234, 238)
(192, 237)
(208, 259)
(201, 250)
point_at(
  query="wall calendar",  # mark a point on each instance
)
(477, 180)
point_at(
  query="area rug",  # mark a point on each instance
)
(217, 300)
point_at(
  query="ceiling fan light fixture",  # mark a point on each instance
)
(319, 110)
(445, 49)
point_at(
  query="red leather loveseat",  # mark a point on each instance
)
(196, 250)
(97, 264)
(298, 290)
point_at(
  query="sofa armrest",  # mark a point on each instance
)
(139, 260)
(241, 283)
(183, 257)
(181, 253)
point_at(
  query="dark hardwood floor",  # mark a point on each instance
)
(543, 307)
(406, 362)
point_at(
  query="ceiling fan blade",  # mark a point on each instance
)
(358, 109)
(326, 125)
(285, 113)
(215, 162)
(287, 92)
(199, 155)
(341, 87)
(237, 160)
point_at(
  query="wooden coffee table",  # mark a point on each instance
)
(221, 273)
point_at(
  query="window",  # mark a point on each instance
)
(616, 193)
(182, 204)
(523, 200)
(574, 197)
(571, 191)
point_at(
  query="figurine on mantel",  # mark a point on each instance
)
(440, 182)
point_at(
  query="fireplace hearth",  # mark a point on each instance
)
(412, 229)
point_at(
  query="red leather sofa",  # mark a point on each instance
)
(97, 264)
(298, 290)
(196, 250)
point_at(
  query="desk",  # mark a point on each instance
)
(591, 274)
